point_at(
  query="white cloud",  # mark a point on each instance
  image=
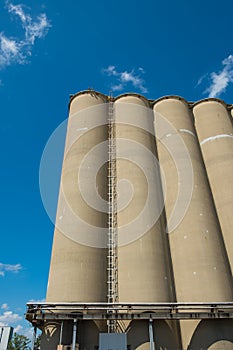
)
(18, 10)
(4, 306)
(37, 29)
(201, 79)
(16, 50)
(37, 301)
(9, 268)
(118, 87)
(9, 51)
(18, 329)
(33, 29)
(125, 78)
(110, 70)
(220, 80)
(8, 318)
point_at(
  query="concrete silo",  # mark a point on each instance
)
(78, 272)
(142, 244)
(198, 256)
(144, 270)
(142, 257)
(215, 133)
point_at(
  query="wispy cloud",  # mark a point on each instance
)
(125, 79)
(201, 79)
(16, 50)
(33, 29)
(9, 318)
(4, 306)
(10, 51)
(219, 81)
(9, 268)
(37, 301)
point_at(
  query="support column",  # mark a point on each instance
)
(74, 334)
(34, 338)
(61, 331)
(151, 335)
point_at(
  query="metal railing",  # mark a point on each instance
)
(38, 312)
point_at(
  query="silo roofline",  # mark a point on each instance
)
(150, 101)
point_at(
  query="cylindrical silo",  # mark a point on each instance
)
(215, 133)
(78, 268)
(198, 255)
(78, 271)
(144, 274)
(144, 271)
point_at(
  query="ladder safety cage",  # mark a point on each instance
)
(112, 256)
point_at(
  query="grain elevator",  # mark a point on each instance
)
(142, 256)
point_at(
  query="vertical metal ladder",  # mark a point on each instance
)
(112, 263)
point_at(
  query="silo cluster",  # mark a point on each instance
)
(174, 222)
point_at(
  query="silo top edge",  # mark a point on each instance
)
(171, 97)
(151, 102)
(133, 94)
(212, 99)
(89, 91)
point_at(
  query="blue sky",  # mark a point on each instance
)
(49, 50)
